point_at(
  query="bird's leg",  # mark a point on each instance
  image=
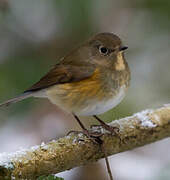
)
(92, 135)
(96, 139)
(113, 130)
(85, 131)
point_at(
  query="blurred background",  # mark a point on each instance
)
(35, 34)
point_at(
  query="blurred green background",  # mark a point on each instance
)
(35, 34)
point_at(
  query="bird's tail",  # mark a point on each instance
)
(16, 99)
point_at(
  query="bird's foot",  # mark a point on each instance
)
(112, 129)
(92, 135)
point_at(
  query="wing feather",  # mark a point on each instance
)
(62, 74)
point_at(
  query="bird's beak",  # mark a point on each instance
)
(122, 48)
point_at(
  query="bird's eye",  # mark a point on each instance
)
(103, 50)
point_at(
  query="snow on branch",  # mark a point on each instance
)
(75, 150)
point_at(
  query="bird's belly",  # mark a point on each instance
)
(99, 107)
(86, 105)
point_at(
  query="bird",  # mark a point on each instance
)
(90, 80)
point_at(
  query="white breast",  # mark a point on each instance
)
(103, 106)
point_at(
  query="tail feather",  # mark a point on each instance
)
(16, 99)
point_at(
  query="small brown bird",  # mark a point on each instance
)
(89, 80)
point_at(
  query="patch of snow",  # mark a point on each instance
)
(33, 148)
(145, 121)
(44, 146)
(6, 159)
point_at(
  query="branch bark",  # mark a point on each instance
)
(75, 150)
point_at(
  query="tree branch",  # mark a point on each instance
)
(76, 150)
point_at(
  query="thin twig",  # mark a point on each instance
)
(108, 167)
(106, 160)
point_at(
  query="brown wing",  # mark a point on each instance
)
(62, 74)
